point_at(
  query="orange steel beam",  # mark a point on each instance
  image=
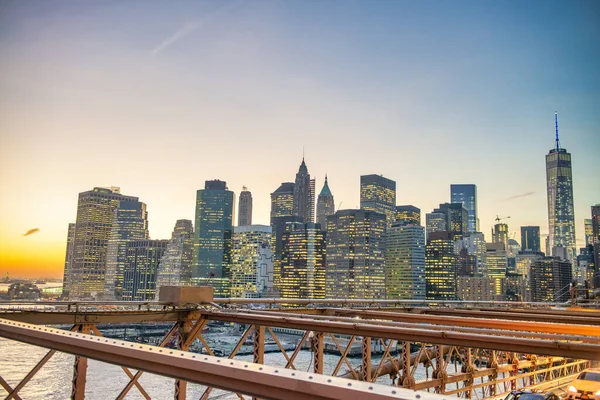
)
(472, 322)
(563, 319)
(501, 332)
(513, 344)
(248, 378)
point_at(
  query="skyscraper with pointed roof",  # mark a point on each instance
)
(304, 195)
(325, 205)
(559, 183)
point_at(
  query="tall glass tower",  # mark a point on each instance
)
(559, 183)
(213, 236)
(467, 195)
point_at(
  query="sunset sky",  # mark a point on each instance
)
(157, 97)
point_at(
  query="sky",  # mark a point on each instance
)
(156, 97)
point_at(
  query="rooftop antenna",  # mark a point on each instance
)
(556, 127)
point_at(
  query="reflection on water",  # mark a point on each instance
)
(106, 381)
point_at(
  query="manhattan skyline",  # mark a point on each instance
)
(157, 102)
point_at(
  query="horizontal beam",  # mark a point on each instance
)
(238, 376)
(509, 314)
(467, 320)
(92, 317)
(587, 351)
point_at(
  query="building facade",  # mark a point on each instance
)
(325, 205)
(303, 262)
(245, 207)
(68, 256)
(496, 264)
(175, 268)
(355, 255)
(130, 224)
(467, 195)
(549, 280)
(378, 194)
(141, 266)
(95, 216)
(405, 262)
(249, 244)
(561, 214)
(440, 266)
(213, 237)
(304, 195)
(436, 222)
(530, 238)
(408, 215)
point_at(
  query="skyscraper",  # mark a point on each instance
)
(212, 238)
(596, 242)
(246, 260)
(245, 208)
(500, 235)
(378, 194)
(448, 217)
(325, 205)
(355, 255)
(589, 231)
(139, 275)
(405, 262)
(530, 238)
(467, 195)
(93, 226)
(304, 195)
(496, 264)
(175, 268)
(408, 215)
(436, 222)
(559, 182)
(303, 262)
(282, 212)
(130, 223)
(68, 256)
(440, 266)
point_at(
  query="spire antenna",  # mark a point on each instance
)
(556, 127)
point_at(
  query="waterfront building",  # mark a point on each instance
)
(355, 255)
(440, 266)
(175, 268)
(550, 279)
(516, 287)
(408, 215)
(405, 262)
(93, 226)
(325, 205)
(142, 261)
(559, 183)
(586, 269)
(467, 195)
(530, 238)
(213, 236)
(129, 224)
(23, 291)
(245, 207)
(303, 262)
(378, 194)
(251, 244)
(304, 195)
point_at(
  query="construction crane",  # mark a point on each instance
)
(498, 219)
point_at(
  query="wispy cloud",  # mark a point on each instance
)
(180, 34)
(189, 28)
(518, 196)
(31, 232)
